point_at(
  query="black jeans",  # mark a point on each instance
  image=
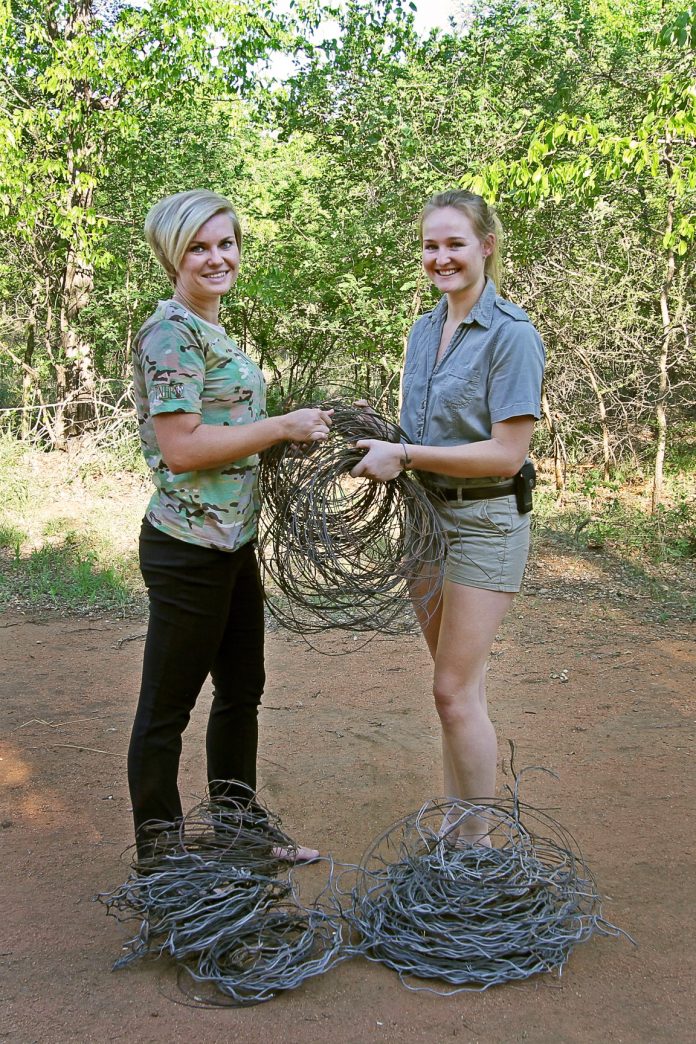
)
(206, 617)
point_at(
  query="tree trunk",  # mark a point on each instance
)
(27, 372)
(78, 275)
(131, 305)
(59, 427)
(606, 444)
(663, 361)
(55, 427)
(663, 388)
(76, 288)
(559, 454)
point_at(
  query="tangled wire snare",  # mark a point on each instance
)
(341, 551)
(255, 960)
(433, 906)
(218, 866)
(209, 897)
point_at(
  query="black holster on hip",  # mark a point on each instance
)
(525, 481)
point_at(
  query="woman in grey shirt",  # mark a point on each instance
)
(471, 392)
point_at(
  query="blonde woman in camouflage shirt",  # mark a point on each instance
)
(201, 411)
(471, 392)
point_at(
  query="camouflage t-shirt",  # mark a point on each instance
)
(183, 364)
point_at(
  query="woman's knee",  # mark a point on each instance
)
(457, 702)
(238, 696)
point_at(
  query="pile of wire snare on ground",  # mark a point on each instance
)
(214, 899)
(423, 901)
(431, 905)
(338, 551)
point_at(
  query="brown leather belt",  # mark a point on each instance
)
(504, 489)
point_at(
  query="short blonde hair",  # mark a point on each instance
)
(483, 218)
(171, 224)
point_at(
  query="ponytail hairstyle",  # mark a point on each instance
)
(483, 218)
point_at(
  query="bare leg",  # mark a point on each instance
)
(469, 620)
(469, 770)
(448, 768)
(427, 603)
(459, 629)
(461, 667)
(426, 596)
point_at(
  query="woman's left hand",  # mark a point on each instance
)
(381, 462)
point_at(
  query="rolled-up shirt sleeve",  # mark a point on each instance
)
(173, 368)
(516, 373)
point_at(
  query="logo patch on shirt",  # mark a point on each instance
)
(166, 392)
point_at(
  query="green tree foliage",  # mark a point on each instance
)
(82, 78)
(621, 160)
(576, 118)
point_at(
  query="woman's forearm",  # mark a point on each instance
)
(477, 460)
(211, 445)
(502, 455)
(186, 444)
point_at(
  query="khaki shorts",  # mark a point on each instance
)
(488, 542)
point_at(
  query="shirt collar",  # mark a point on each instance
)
(481, 313)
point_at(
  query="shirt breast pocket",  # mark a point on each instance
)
(459, 389)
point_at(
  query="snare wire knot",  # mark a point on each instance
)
(433, 906)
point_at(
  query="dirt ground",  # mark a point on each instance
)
(349, 744)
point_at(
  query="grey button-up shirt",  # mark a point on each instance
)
(491, 371)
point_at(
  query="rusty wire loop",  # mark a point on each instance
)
(339, 552)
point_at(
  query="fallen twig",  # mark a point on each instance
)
(76, 746)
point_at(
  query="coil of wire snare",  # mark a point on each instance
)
(253, 961)
(211, 899)
(433, 907)
(423, 901)
(341, 552)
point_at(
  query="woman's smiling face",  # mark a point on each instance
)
(454, 258)
(210, 266)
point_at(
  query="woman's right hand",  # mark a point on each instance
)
(307, 425)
